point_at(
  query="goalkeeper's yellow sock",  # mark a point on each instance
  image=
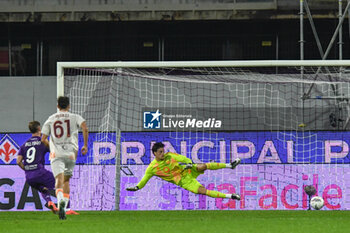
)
(216, 194)
(215, 166)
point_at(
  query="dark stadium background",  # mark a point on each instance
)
(246, 35)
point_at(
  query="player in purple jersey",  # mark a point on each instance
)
(31, 158)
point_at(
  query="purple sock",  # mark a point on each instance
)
(46, 195)
(68, 205)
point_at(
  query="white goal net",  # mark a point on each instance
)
(286, 120)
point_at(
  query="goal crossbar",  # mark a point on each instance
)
(164, 64)
(198, 64)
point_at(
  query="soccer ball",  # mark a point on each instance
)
(317, 202)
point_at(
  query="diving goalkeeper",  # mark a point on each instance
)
(167, 167)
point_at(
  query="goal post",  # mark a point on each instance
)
(286, 119)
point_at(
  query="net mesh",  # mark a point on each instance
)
(284, 122)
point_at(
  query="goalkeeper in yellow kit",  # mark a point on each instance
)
(167, 167)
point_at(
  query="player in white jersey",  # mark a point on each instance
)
(63, 127)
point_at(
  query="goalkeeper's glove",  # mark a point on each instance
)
(188, 166)
(133, 189)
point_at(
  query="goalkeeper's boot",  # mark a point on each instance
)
(235, 196)
(71, 212)
(52, 207)
(235, 163)
(62, 211)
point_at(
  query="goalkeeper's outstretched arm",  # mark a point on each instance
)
(142, 182)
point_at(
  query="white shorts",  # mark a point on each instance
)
(62, 165)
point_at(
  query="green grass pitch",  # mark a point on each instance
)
(178, 221)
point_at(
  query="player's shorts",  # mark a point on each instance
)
(188, 180)
(41, 179)
(63, 165)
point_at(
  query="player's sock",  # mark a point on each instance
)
(59, 195)
(46, 195)
(66, 199)
(68, 205)
(216, 194)
(215, 166)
